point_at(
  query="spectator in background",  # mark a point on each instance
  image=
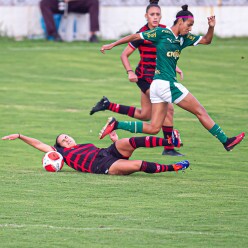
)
(50, 7)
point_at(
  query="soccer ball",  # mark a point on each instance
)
(53, 161)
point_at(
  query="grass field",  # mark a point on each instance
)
(49, 88)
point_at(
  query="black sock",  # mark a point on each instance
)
(167, 131)
(150, 167)
(148, 141)
(122, 109)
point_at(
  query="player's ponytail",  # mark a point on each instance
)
(184, 14)
(56, 141)
(153, 3)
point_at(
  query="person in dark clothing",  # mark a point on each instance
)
(113, 160)
(50, 7)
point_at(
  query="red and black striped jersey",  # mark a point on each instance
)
(79, 157)
(147, 64)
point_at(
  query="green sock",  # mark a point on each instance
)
(218, 133)
(131, 126)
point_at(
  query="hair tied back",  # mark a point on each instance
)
(185, 7)
(154, 1)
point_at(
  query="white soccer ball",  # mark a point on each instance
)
(53, 161)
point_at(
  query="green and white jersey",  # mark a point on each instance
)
(169, 48)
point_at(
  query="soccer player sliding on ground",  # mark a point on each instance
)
(113, 160)
(165, 89)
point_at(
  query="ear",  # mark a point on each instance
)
(180, 21)
(146, 16)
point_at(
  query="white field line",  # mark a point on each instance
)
(162, 231)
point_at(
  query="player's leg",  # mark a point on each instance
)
(143, 113)
(167, 129)
(191, 104)
(158, 114)
(126, 146)
(126, 167)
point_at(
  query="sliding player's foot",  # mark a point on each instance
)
(182, 165)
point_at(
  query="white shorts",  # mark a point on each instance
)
(165, 91)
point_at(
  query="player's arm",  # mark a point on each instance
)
(180, 72)
(30, 141)
(207, 38)
(126, 63)
(124, 40)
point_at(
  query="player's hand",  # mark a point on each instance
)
(211, 21)
(113, 136)
(11, 136)
(132, 77)
(180, 72)
(106, 47)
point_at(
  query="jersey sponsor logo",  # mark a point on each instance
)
(157, 71)
(191, 37)
(174, 54)
(170, 40)
(152, 35)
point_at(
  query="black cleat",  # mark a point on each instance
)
(102, 105)
(172, 152)
(232, 142)
(93, 39)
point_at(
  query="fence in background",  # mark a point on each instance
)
(141, 2)
(115, 21)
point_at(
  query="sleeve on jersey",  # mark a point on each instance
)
(151, 35)
(196, 43)
(135, 44)
(191, 40)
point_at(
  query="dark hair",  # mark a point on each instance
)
(56, 141)
(153, 3)
(184, 14)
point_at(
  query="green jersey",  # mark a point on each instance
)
(169, 48)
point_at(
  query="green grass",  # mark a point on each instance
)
(49, 88)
